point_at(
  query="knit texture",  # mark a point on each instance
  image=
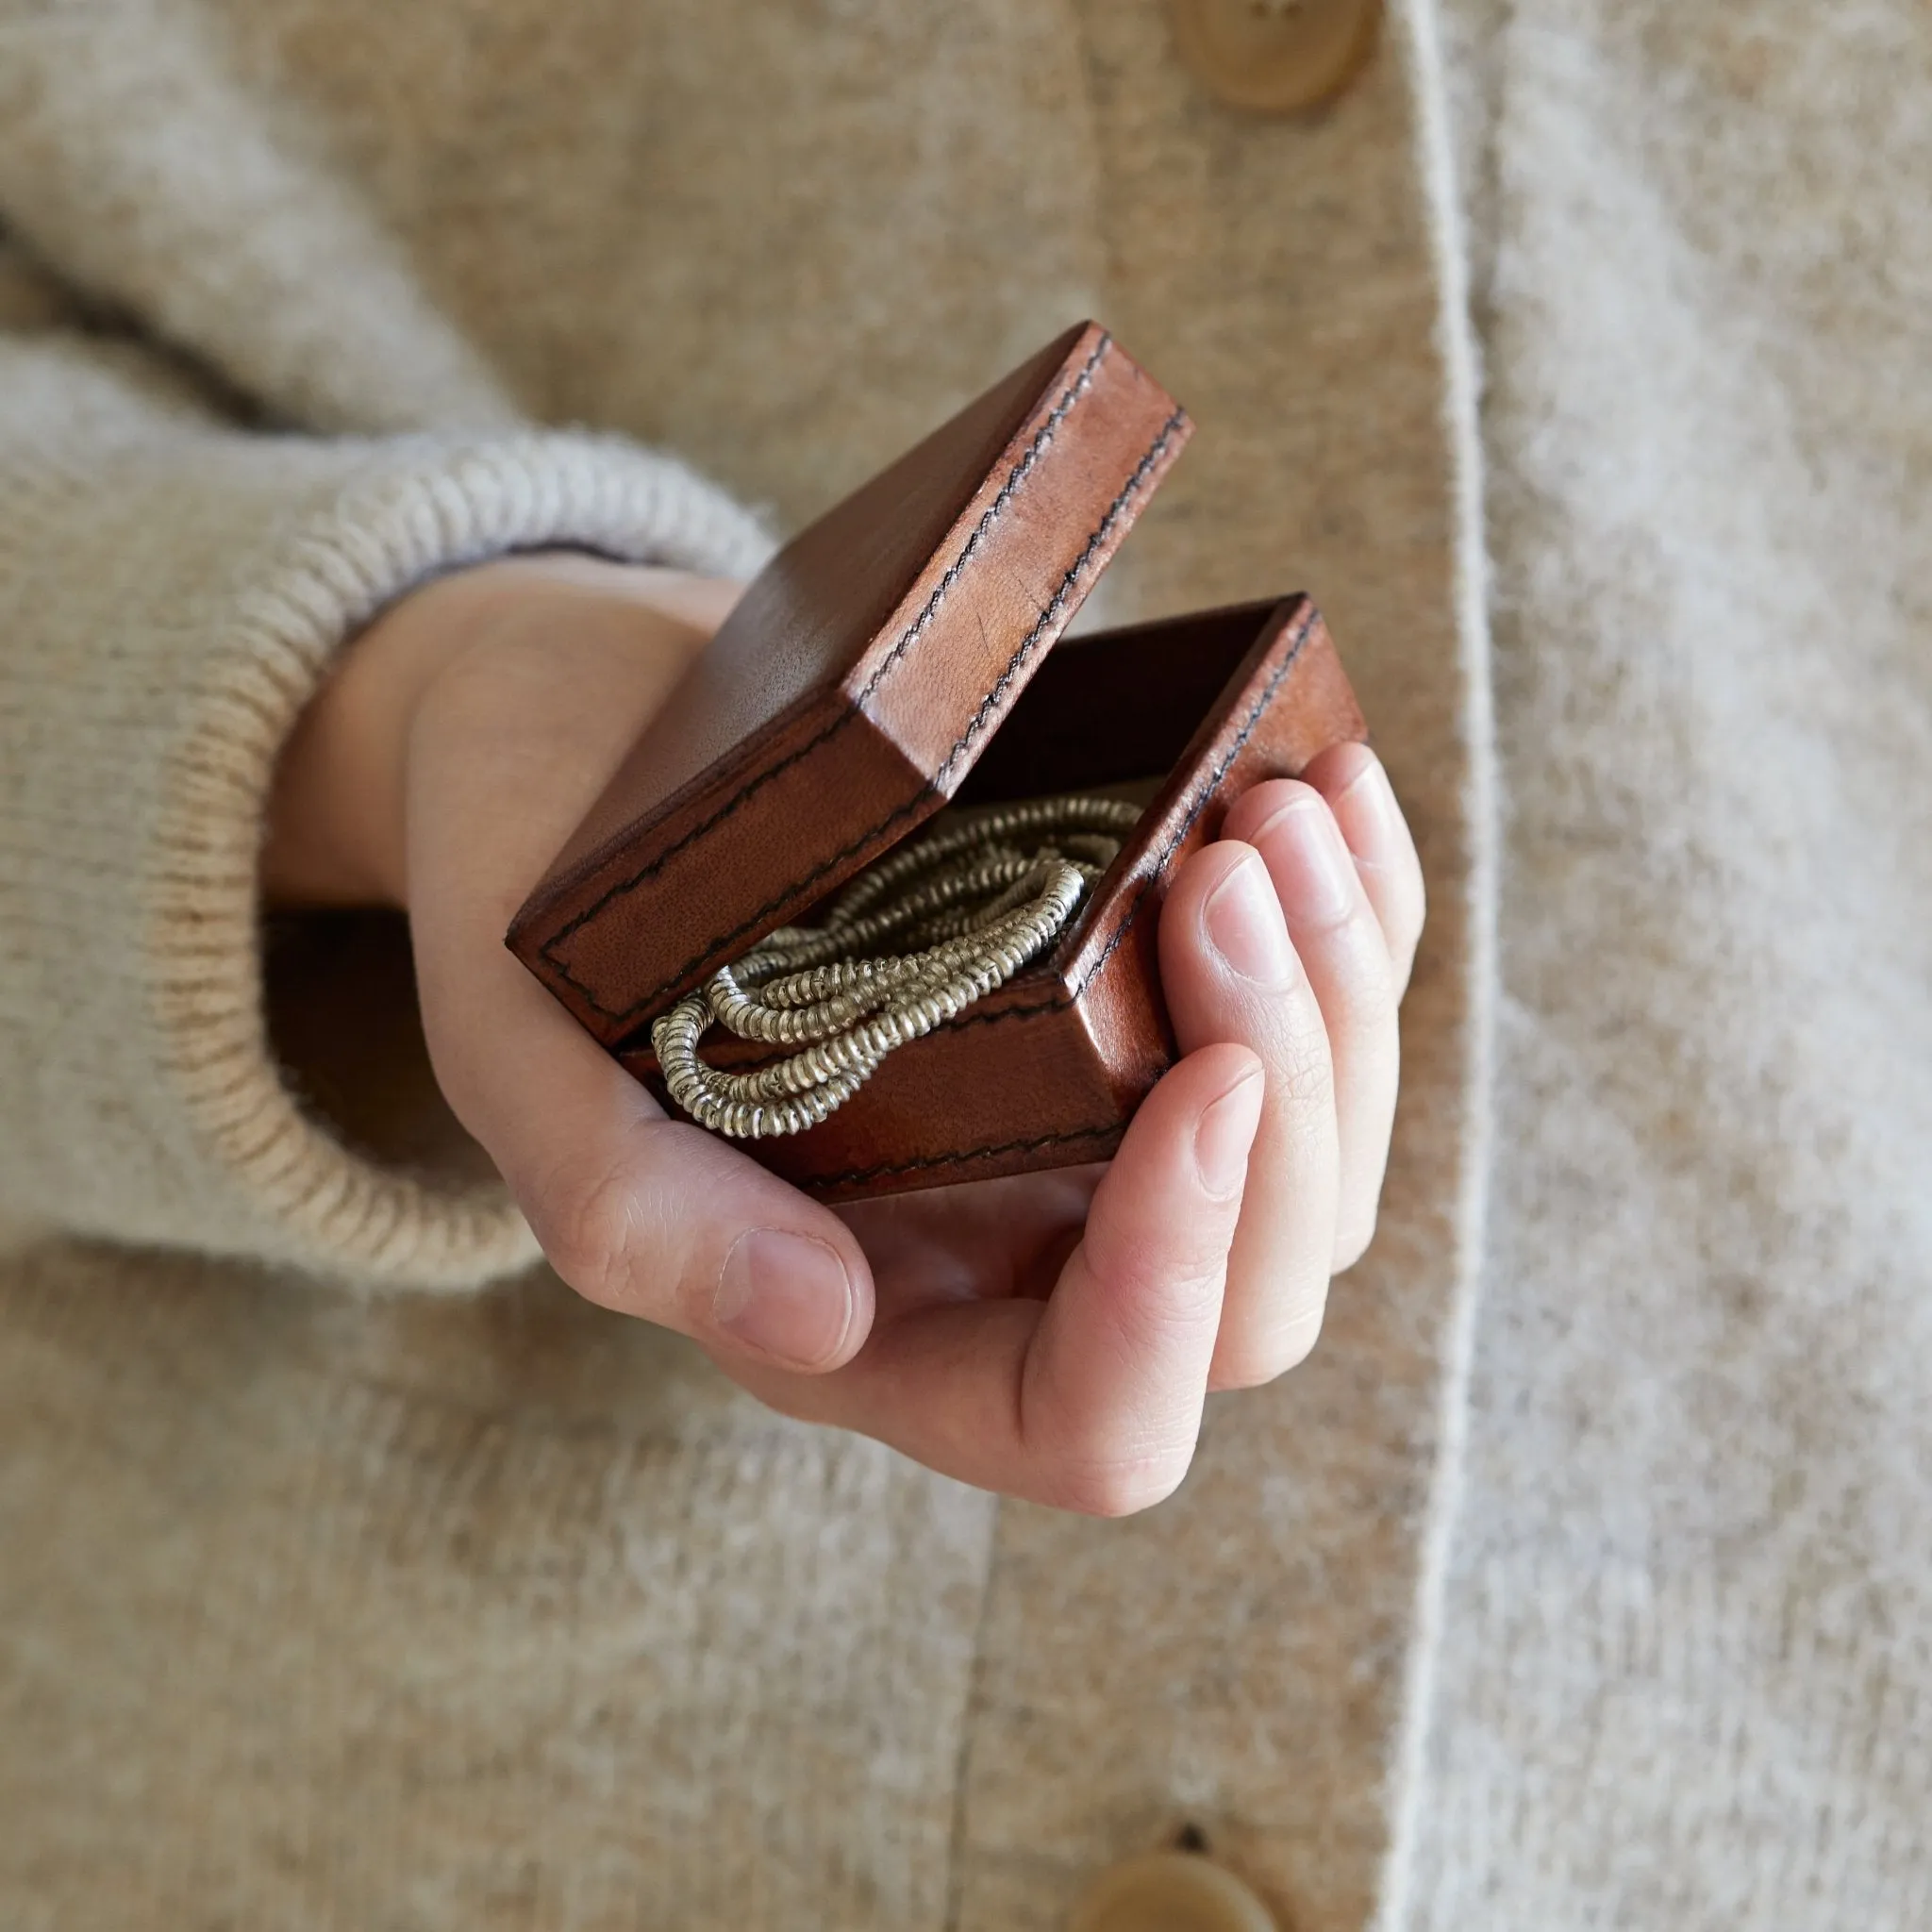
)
(170, 592)
(1686, 1666)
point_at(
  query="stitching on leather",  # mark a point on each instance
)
(990, 515)
(1102, 530)
(1081, 383)
(1027, 645)
(858, 1175)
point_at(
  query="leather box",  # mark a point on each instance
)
(902, 653)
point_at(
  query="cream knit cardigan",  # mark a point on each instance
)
(1576, 360)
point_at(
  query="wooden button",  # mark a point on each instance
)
(1170, 1891)
(1274, 55)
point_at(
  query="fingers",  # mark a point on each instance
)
(1092, 1399)
(1340, 945)
(1352, 779)
(1231, 973)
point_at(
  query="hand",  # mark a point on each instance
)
(1049, 1336)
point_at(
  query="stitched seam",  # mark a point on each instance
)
(988, 517)
(1082, 382)
(1101, 532)
(858, 1175)
(1026, 649)
(1027, 645)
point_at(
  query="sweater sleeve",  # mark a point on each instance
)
(171, 587)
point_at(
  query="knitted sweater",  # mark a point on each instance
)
(1568, 359)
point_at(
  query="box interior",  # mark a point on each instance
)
(1113, 708)
(1112, 712)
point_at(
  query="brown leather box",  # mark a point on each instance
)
(902, 653)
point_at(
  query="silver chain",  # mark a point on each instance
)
(972, 902)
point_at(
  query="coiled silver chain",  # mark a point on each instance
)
(962, 908)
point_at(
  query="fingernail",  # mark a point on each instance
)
(1225, 1135)
(1370, 787)
(1244, 922)
(786, 1295)
(1368, 806)
(1314, 870)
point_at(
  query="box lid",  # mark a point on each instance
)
(851, 689)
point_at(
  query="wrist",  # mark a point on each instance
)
(335, 831)
(336, 822)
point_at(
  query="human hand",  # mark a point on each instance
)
(1050, 1335)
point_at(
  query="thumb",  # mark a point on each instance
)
(646, 1215)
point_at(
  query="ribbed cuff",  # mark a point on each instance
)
(158, 1112)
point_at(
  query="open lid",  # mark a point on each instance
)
(853, 686)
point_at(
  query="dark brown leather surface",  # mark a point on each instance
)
(848, 696)
(900, 651)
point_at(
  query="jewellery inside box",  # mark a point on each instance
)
(965, 905)
(927, 999)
